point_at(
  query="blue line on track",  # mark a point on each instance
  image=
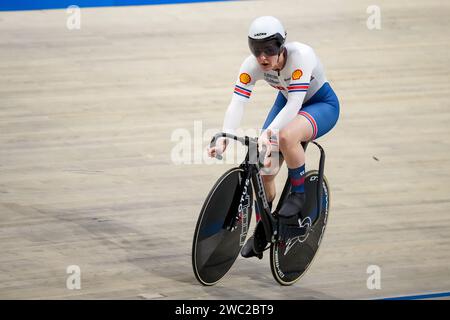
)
(421, 296)
(17, 5)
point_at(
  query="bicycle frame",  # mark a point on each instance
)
(251, 166)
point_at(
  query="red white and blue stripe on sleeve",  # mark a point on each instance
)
(298, 87)
(241, 91)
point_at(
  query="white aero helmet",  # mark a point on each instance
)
(266, 35)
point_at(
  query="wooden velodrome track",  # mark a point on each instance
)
(86, 172)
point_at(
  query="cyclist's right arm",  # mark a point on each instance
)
(249, 73)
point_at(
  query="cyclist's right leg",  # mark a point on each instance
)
(269, 174)
(268, 177)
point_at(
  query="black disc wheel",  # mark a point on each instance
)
(290, 259)
(222, 226)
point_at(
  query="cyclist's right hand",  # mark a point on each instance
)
(264, 142)
(218, 149)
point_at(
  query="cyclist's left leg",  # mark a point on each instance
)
(295, 132)
(314, 119)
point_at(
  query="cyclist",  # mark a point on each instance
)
(305, 108)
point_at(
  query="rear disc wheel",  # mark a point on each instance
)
(290, 260)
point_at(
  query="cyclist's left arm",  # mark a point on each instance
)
(298, 86)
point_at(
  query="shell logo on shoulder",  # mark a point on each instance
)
(245, 78)
(297, 74)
